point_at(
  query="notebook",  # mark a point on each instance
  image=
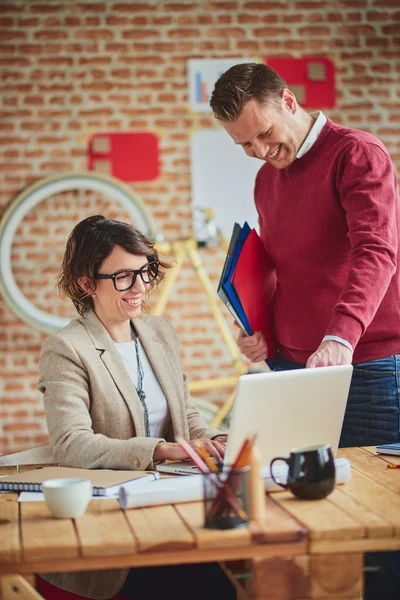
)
(105, 482)
(286, 409)
(393, 449)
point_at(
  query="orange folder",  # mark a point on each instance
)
(254, 280)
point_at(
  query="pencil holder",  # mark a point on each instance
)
(226, 498)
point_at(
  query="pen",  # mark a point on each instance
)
(215, 481)
(393, 466)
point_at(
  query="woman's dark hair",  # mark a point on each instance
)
(242, 83)
(89, 244)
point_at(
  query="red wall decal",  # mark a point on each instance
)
(312, 79)
(128, 156)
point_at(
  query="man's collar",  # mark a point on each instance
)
(320, 120)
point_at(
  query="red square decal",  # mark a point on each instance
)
(128, 156)
(311, 79)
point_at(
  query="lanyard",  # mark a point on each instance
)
(139, 389)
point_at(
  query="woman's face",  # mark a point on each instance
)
(110, 304)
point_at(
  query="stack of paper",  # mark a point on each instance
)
(247, 285)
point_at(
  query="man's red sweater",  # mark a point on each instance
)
(331, 223)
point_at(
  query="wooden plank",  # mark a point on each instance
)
(374, 497)
(376, 526)
(278, 525)
(103, 530)
(390, 458)
(327, 546)
(322, 518)
(9, 496)
(373, 466)
(10, 549)
(336, 577)
(159, 528)
(280, 578)
(8, 470)
(44, 537)
(15, 587)
(193, 515)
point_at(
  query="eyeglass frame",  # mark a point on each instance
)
(135, 272)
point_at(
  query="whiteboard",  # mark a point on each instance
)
(223, 178)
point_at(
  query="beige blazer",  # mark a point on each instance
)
(95, 418)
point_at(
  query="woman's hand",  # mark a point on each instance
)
(173, 450)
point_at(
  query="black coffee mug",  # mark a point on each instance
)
(311, 472)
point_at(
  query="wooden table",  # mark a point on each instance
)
(305, 549)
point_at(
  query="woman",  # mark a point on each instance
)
(115, 394)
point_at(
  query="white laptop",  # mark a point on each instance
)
(286, 409)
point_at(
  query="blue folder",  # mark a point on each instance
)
(229, 289)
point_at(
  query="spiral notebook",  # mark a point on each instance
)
(105, 482)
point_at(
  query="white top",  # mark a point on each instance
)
(319, 124)
(156, 402)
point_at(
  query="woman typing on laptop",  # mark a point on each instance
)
(114, 390)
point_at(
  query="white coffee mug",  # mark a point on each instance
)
(67, 498)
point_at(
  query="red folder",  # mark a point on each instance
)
(254, 280)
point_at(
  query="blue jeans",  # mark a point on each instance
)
(373, 406)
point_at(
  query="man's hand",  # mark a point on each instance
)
(252, 346)
(330, 353)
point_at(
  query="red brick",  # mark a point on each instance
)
(391, 29)
(59, 61)
(139, 34)
(94, 34)
(309, 5)
(134, 7)
(6, 22)
(116, 47)
(156, 20)
(311, 31)
(51, 35)
(21, 426)
(183, 33)
(95, 60)
(12, 35)
(248, 45)
(92, 21)
(7, 48)
(72, 21)
(30, 48)
(176, 7)
(94, 7)
(270, 5)
(207, 19)
(52, 22)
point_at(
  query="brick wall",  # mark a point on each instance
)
(69, 69)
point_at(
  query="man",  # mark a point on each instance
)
(328, 204)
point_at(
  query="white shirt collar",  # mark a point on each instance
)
(313, 134)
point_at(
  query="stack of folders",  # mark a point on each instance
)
(247, 285)
(389, 449)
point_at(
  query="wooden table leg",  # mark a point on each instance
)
(280, 578)
(16, 587)
(336, 576)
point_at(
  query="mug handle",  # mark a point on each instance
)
(286, 460)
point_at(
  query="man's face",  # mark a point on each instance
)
(268, 131)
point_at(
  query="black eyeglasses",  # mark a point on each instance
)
(124, 280)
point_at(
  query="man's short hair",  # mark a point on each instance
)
(242, 83)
